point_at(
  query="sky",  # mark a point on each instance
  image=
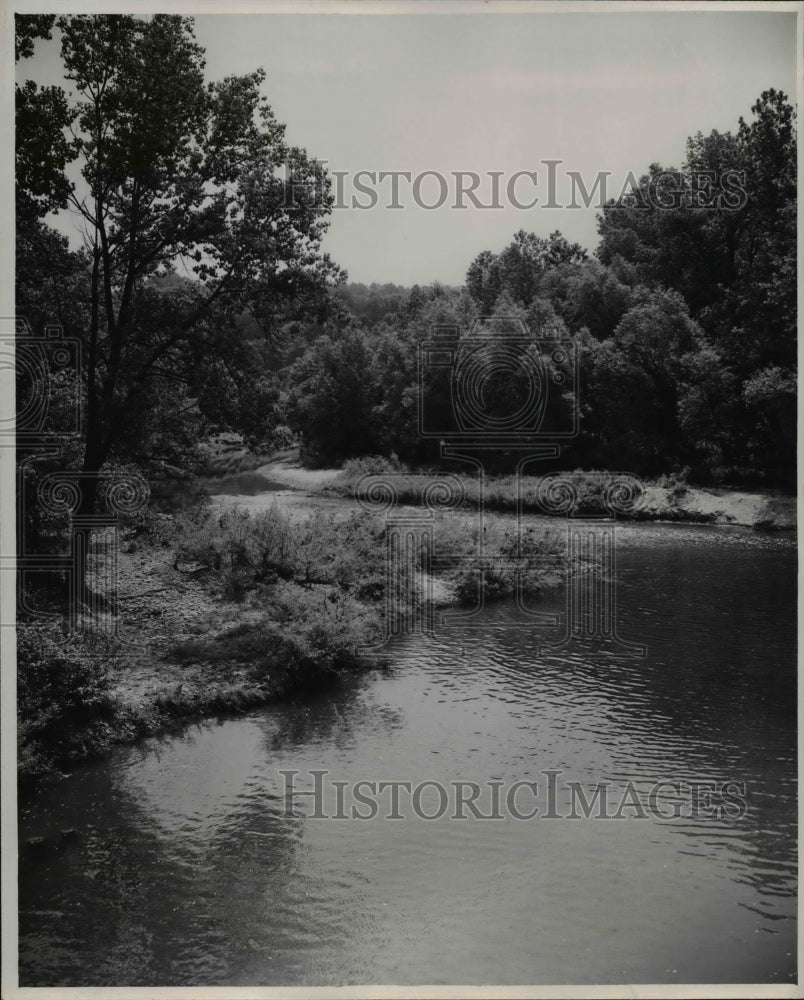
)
(492, 92)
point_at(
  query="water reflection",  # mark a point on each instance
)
(186, 869)
(248, 484)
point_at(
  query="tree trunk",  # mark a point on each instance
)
(84, 523)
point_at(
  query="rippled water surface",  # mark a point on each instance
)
(183, 867)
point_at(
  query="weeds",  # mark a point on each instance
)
(64, 700)
(313, 595)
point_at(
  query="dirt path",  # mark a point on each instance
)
(288, 469)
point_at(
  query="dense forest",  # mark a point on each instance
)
(683, 323)
(201, 300)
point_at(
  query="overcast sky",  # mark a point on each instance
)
(494, 92)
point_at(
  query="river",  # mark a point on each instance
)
(189, 864)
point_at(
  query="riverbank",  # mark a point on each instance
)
(665, 500)
(191, 834)
(221, 611)
(764, 511)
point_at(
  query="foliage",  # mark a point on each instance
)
(329, 397)
(684, 328)
(196, 213)
(374, 303)
(63, 697)
(369, 465)
(244, 550)
(518, 269)
(735, 268)
(303, 636)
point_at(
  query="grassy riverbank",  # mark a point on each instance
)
(223, 611)
(668, 499)
(220, 610)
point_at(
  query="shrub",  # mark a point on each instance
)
(531, 558)
(303, 635)
(355, 469)
(245, 550)
(63, 698)
(242, 549)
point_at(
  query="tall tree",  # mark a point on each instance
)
(518, 269)
(734, 261)
(175, 173)
(43, 148)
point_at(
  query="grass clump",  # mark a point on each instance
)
(245, 552)
(369, 465)
(298, 641)
(65, 706)
(497, 559)
(494, 493)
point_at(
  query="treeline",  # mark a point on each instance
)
(202, 302)
(684, 326)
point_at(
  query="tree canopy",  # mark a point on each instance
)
(204, 302)
(201, 230)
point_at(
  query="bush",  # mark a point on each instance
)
(240, 548)
(676, 485)
(64, 704)
(529, 560)
(369, 465)
(245, 550)
(303, 635)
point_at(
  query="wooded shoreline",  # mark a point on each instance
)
(186, 647)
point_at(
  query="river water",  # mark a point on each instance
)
(190, 863)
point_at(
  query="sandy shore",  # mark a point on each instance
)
(289, 470)
(767, 509)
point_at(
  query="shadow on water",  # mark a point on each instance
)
(248, 484)
(176, 495)
(125, 852)
(185, 867)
